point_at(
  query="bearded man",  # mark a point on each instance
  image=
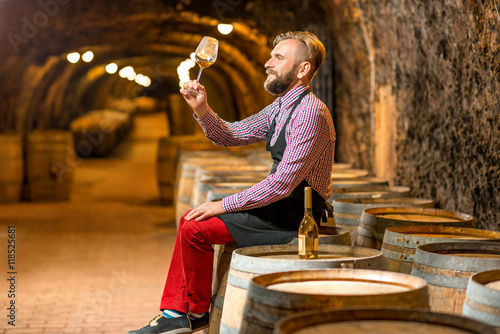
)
(300, 135)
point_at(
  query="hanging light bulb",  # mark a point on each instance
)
(73, 57)
(88, 56)
(126, 71)
(225, 29)
(143, 80)
(111, 68)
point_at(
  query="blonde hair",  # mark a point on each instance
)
(314, 49)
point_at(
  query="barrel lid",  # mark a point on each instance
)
(357, 205)
(467, 256)
(412, 214)
(359, 182)
(266, 259)
(367, 191)
(301, 321)
(432, 234)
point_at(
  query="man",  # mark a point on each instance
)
(300, 136)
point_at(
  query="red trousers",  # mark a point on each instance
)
(189, 280)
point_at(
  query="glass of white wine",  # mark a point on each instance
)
(205, 55)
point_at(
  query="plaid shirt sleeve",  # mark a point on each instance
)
(250, 130)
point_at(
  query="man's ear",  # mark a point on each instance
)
(304, 70)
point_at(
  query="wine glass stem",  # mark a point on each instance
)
(199, 74)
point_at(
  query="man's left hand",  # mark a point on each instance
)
(205, 211)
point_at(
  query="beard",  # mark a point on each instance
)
(281, 83)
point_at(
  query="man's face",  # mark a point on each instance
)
(281, 67)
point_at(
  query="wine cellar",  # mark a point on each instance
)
(101, 157)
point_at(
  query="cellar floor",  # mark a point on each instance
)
(96, 263)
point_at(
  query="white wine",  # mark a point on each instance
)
(203, 63)
(308, 230)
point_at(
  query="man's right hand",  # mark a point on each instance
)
(195, 95)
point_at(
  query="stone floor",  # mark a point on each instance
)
(96, 263)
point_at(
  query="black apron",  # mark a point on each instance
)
(278, 222)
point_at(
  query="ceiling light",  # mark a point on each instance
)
(143, 80)
(111, 68)
(87, 56)
(126, 71)
(73, 57)
(131, 76)
(225, 29)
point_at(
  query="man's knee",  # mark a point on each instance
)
(189, 228)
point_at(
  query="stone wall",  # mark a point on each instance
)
(435, 67)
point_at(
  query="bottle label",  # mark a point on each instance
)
(302, 244)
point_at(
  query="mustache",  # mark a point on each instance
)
(271, 72)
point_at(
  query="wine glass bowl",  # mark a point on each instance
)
(205, 55)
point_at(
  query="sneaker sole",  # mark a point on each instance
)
(200, 328)
(178, 331)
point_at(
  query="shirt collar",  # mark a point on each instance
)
(289, 98)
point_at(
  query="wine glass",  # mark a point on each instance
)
(205, 55)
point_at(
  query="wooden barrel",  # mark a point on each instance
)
(222, 182)
(482, 297)
(187, 169)
(49, 164)
(352, 182)
(146, 104)
(347, 211)
(271, 297)
(369, 192)
(232, 185)
(222, 260)
(98, 132)
(374, 221)
(341, 165)
(168, 155)
(166, 165)
(216, 194)
(447, 267)
(11, 167)
(329, 236)
(348, 173)
(386, 320)
(250, 262)
(207, 175)
(401, 242)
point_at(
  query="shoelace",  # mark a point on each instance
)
(154, 322)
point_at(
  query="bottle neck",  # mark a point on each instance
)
(308, 201)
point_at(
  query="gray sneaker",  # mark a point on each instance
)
(163, 325)
(200, 323)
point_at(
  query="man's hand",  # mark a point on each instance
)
(196, 96)
(206, 210)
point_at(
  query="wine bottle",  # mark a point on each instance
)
(308, 230)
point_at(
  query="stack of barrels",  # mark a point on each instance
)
(38, 167)
(191, 170)
(386, 259)
(98, 132)
(11, 167)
